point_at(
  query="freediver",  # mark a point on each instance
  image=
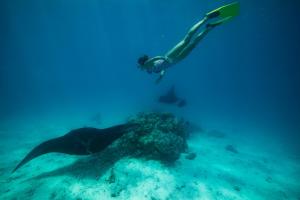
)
(159, 64)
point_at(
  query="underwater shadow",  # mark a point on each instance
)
(92, 167)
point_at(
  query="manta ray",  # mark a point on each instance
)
(82, 141)
(171, 98)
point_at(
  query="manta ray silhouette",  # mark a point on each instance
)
(82, 141)
(171, 98)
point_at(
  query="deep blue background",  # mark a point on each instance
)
(76, 54)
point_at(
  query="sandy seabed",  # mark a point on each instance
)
(226, 167)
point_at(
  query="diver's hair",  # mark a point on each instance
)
(143, 59)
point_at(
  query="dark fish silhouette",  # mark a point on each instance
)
(82, 141)
(170, 97)
(181, 103)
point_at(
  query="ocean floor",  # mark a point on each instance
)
(225, 167)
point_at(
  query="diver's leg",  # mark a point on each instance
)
(187, 50)
(174, 52)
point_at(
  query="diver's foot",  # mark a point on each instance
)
(212, 15)
(211, 25)
(214, 24)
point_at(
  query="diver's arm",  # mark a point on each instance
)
(161, 75)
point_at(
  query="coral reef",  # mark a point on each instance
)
(159, 136)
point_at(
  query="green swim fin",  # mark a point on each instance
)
(229, 10)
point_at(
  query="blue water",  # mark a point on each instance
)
(76, 57)
(73, 63)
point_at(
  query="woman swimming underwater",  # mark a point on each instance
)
(159, 64)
